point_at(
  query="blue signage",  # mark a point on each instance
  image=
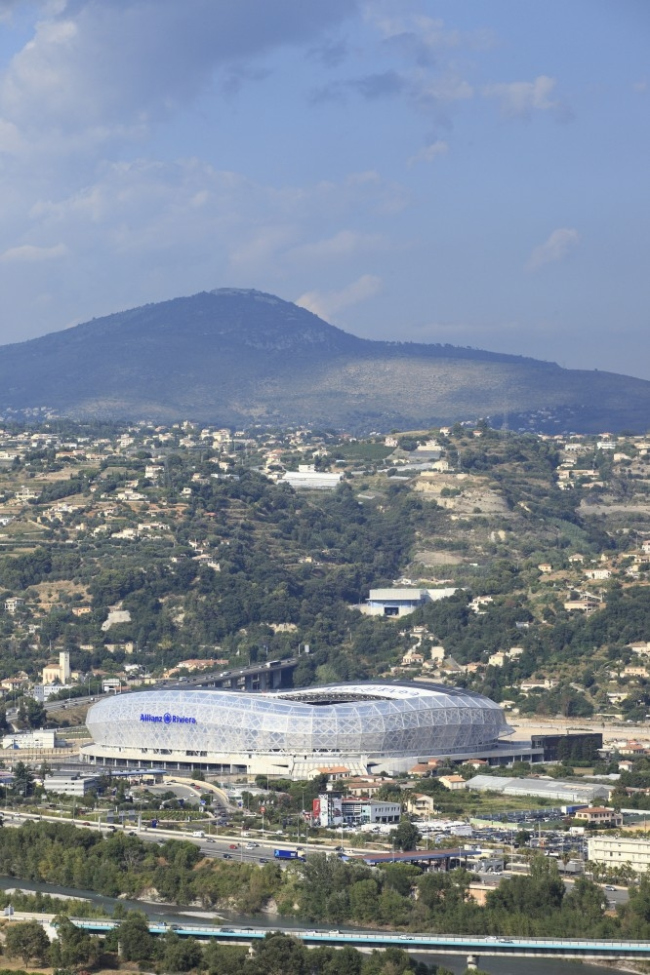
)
(167, 718)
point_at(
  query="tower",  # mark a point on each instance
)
(64, 666)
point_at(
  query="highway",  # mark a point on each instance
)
(246, 849)
(434, 943)
(441, 944)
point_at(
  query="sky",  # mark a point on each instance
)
(459, 171)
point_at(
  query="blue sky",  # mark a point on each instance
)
(430, 170)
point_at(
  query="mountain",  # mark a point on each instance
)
(236, 357)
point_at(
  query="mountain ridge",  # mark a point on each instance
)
(236, 356)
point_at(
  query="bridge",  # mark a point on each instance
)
(270, 676)
(443, 944)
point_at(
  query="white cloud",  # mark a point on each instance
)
(414, 34)
(428, 153)
(11, 141)
(327, 304)
(30, 253)
(519, 99)
(344, 244)
(95, 71)
(555, 248)
(443, 90)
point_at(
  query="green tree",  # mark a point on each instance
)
(73, 946)
(279, 954)
(181, 954)
(364, 905)
(406, 835)
(31, 713)
(28, 940)
(23, 779)
(134, 938)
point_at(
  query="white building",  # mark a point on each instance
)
(618, 851)
(41, 692)
(401, 602)
(31, 739)
(311, 480)
(70, 785)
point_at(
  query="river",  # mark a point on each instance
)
(172, 914)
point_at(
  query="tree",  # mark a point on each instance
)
(364, 900)
(31, 713)
(279, 954)
(23, 779)
(406, 835)
(29, 940)
(73, 945)
(135, 941)
(180, 954)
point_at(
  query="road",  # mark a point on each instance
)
(436, 944)
(211, 846)
(475, 945)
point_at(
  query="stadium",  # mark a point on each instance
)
(294, 733)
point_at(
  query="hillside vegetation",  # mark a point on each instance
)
(142, 549)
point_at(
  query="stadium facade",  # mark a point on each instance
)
(294, 733)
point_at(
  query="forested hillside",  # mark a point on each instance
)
(141, 548)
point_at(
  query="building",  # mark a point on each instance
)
(311, 480)
(619, 851)
(583, 745)
(571, 792)
(70, 785)
(333, 809)
(41, 692)
(401, 602)
(31, 739)
(357, 812)
(419, 804)
(58, 673)
(452, 782)
(369, 727)
(599, 816)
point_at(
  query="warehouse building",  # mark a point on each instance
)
(556, 789)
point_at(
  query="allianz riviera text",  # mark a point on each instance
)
(167, 718)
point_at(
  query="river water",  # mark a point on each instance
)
(171, 914)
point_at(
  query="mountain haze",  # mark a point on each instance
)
(234, 357)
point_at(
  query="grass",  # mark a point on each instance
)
(363, 451)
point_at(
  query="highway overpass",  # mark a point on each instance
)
(520, 947)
